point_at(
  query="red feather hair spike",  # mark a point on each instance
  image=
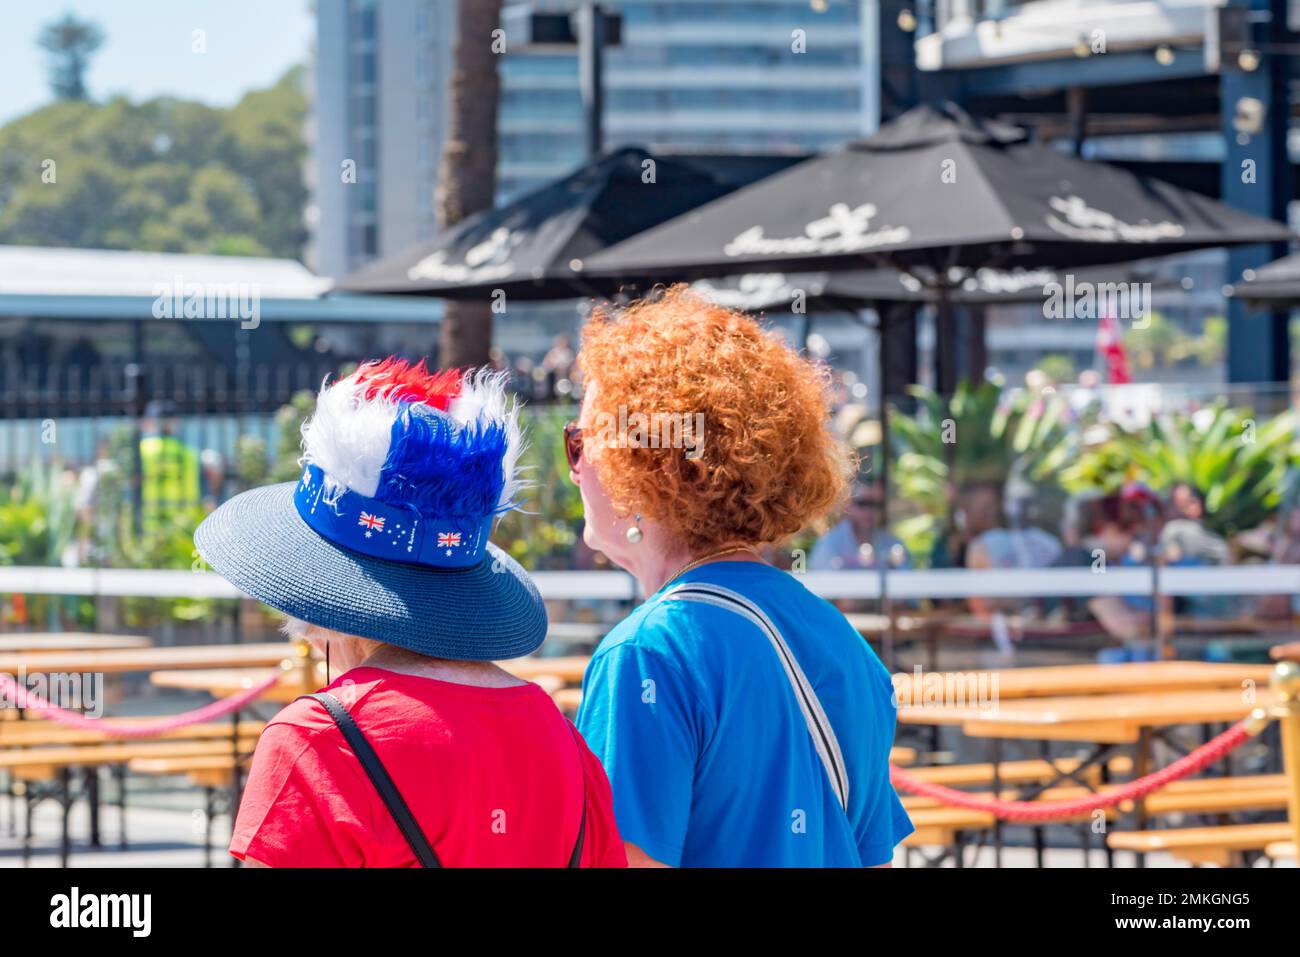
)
(405, 381)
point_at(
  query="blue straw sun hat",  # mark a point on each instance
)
(385, 534)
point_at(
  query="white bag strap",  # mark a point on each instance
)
(819, 727)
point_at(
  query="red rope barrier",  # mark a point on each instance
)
(1213, 750)
(135, 729)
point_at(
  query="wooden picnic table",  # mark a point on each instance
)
(1089, 679)
(1287, 652)
(926, 626)
(570, 668)
(1057, 681)
(1109, 718)
(69, 641)
(223, 682)
(869, 623)
(1144, 701)
(151, 659)
(551, 673)
(1019, 626)
(1237, 625)
(577, 632)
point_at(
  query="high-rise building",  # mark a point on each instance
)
(723, 75)
(378, 115)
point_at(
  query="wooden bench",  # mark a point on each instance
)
(1200, 796)
(1219, 845)
(1282, 851)
(207, 771)
(33, 769)
(213, 773)
(1013, 772)
(902, 756)
(29, 734)
(1262, 792)
(43, 762)
(938, 824)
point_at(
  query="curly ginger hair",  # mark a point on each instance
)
(768, 462)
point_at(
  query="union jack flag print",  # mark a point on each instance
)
(448, 539)
(375, 522)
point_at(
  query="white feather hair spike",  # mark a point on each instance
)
(483, 401)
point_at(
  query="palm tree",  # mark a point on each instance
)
(467, 178)
(70, 43)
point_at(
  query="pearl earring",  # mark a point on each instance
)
(634, 531)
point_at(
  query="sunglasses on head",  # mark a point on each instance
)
(572, 443)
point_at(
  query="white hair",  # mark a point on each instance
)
(295, 629)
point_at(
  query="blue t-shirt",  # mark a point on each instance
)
(710, 759)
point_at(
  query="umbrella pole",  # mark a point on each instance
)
(945, 364)
(886, 606)
(945, 386)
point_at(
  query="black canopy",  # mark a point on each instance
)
(936, 188)
(1273, 284)
(534, 247)
(759, 291)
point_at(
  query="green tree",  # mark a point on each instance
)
(165, 175)
(70, 44)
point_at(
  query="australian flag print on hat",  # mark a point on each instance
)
(385, 533)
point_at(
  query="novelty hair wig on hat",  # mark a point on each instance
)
(438, 443)
(385, 534)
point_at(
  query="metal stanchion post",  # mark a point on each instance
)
(1286, 682)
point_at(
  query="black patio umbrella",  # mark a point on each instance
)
(754, 292)
(935, 190)
(534, 247)
(1275, 284)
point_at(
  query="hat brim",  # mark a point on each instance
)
(259, 543)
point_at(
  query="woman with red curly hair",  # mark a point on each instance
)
(742, 721)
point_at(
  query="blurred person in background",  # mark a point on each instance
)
(1098, 535)
(1187, 541)
(557, 366)
(1281, 543)
(857, 540)
(170, 473)
(1000, 544)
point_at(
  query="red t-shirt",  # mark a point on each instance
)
(493, 776)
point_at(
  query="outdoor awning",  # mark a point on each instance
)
(535, 247)
(1273, 284)
(941, 190)
(760, 291)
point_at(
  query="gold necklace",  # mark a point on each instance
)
(696, 562)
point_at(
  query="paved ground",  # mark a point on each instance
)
(166, 833)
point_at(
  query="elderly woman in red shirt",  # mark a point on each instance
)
(422, 752)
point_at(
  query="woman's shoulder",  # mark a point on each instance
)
(667, 630)
(678, 629)
(307, 715)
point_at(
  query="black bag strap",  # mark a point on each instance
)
(575, 859)
(392, 798)
(379, 777)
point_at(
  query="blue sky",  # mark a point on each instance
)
(148, 53)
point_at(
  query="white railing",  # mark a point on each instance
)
(617, 585)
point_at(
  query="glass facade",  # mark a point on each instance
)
(735, 76)
(363, 132)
